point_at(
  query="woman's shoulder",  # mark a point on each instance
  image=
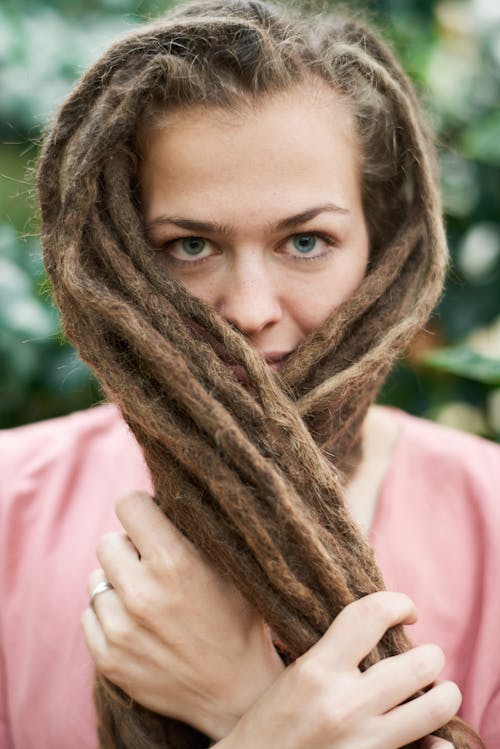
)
(433, 436)
(440, 495)
(456, 470)
(441, 488)
(49, 461)
(445, 458)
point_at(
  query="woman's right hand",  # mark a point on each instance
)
(323, 700)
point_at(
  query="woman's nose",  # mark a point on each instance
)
(249, 301)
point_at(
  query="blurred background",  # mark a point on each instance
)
(451, 49)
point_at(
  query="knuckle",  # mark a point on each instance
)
(106, 543)
(335, 718)
(334, 711)
(342, 711)
(138, 603)
(117, 633)
(376, 607)
(306, 674)
(131, 497)
(163, 561)
(428, 662)
(386, 606)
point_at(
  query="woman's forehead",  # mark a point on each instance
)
(293, 144)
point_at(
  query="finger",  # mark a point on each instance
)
(103, 650)
(146, 525)
(434, 742)
(97, 585)
(360, 626)
(106, 606)
(421, 716)
(112, 623)
(395, 679)
(94, 636)
(95, 577)
(120, 562)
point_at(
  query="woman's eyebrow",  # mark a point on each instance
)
(225, 229)
(310, 213)
(189, 224)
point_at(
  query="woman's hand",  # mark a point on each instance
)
(182, 641)
(323, 701)
(174, 634)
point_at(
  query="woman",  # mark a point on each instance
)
(241, 222)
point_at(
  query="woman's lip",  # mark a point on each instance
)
(276, 365)
(276, 359)
(272, 357)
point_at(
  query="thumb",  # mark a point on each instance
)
(434, 742)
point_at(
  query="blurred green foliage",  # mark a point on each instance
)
(452, 52)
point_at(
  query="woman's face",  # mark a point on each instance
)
(259, 213)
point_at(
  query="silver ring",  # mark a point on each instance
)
(101, 587)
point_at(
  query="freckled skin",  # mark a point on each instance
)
(244, 174)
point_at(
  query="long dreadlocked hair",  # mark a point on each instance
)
(253, 475)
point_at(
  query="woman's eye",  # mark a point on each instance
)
(309, 245)
(189, 249)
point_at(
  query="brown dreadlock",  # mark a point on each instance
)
(270, 511)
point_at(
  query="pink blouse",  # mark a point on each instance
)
(436, 534)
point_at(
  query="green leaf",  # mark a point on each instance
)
(463, 361)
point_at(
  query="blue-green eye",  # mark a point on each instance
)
(309, 245)
(193, 245)
(189, 250)
(304, 243)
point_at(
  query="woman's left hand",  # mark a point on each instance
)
(173, 633)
